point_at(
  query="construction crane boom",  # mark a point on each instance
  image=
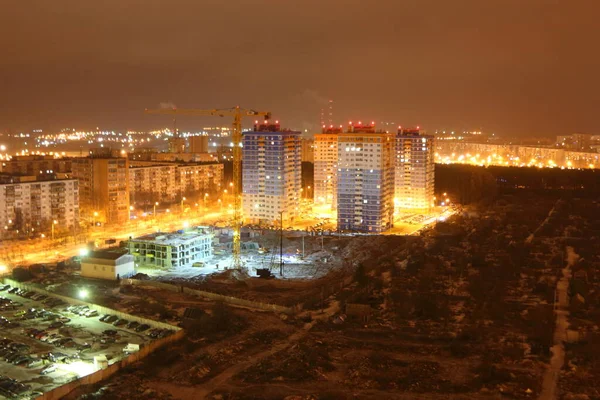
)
(237, 113)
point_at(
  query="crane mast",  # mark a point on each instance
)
(237, 114)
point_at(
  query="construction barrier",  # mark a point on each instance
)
(212, 296)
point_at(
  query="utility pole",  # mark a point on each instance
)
(281, 244)
(303, 246)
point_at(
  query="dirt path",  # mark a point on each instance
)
(561, 308)
(201, 391)
(544, 222)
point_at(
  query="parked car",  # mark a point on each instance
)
(142, 328)
(110, 332)
(133, 325)
(120, 322)
(91, 313)
(111, 319)
(48, 370)
(56, 325)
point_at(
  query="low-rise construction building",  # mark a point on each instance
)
(172, 250)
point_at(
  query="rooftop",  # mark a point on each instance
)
(171, 238)
(108, 254)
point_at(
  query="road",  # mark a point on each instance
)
(46, 250)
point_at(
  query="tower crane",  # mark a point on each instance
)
(237, 113)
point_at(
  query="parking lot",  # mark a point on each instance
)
(45, 342)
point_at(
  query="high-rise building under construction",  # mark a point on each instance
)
(365, 180)
(326, 166)
(414, 175)
(271, 165)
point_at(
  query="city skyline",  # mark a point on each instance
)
(511, 67)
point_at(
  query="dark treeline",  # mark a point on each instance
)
(468, 184)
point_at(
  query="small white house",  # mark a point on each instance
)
(107, 264)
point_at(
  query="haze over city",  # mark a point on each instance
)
(517, 68)
(310, 200)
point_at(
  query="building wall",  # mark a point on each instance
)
(183, 253)
(32, 206)
(198, 144)
(365, 185)
(414, 163)
(271, 175)
(35, 165)
(104, 188)
(150, 181)
(326, 169)
(107, 269)
(150, 184)
(308, 150)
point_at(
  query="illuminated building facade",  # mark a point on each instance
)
(29, 206)
(36, 165)
(365, 181)
(271, 165)
(103, 186)
(150, 182)
(415, 164)
(326, 166)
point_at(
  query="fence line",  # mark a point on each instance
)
(213, 296)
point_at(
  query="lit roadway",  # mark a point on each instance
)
(45, 250)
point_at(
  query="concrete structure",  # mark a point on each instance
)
(271, 174)
(103, 186)
(168, 182)
(326, 166)
(176, 145)
(107, 264)
(365, 182)
(29, 206)
(36, 165)
(415, 164)
(198, 144)
(308, 150)
(169, 250)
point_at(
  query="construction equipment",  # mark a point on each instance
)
(237, 113)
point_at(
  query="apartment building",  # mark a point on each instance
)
(28, 205)
(326, 166)
(167, 182)
(103, 186)
(271, 165)
(415, 165)
(365, 181)
(36, 165)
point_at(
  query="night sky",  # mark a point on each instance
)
(515, 67)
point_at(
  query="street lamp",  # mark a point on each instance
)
(182, 200)
(205, 196)
(53, 223)
(155, 204)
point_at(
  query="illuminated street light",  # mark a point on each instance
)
(83, 252)
(83, 294)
